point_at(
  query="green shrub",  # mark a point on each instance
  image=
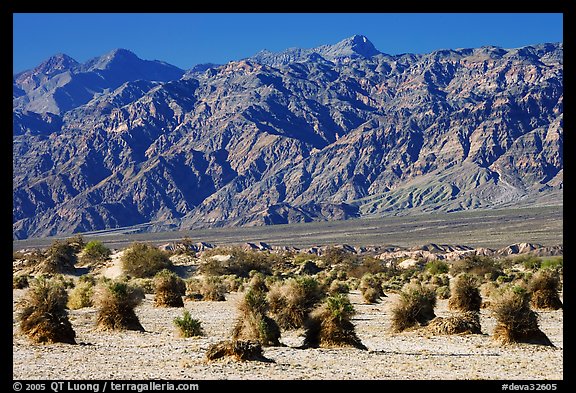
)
(437, 267)
(81, 295)
(188, 326)
(43, 316)
(556, 263)
(443, 292)
(95, 252)
(143, 260)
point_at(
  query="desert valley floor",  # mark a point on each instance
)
(158, 353)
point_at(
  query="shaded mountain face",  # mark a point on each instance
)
(334, 132)
(61, 83)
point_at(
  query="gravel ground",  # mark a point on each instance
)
(158, 353)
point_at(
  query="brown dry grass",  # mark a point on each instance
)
(43, 316)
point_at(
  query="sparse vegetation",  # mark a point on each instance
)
(291, 300)
(414, 308)
(95, 252)
(43, 317)
(81, 295)
(143, 260)
(20, 281)
(253, 322)
(210, 288)
(543, 289)
(168, 289)
(329, 324)
(516, 322)
(60, 258)
(240, 263)
(465, 295)
(481, 266)
(188, 326)
(237, 349)
(115, 302)
(371, 288)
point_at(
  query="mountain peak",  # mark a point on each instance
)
(357, 45)
(55, 64)
(115, 56)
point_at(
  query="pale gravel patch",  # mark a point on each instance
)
(158, 353)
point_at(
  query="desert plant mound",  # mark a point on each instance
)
(115, 302)
(329, 325)
(81, 294)
(237, 350)
(516, 322)
(142, 260)
(460, 323)
(168, 289)
(464, 294)
(371, 288)
(543, 288)
(43, 316)
(253, 323)
(210, 288)
(291, 301)
(414, 308)
(60, 258)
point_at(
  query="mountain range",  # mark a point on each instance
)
(328, 133)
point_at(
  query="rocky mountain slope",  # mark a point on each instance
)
(326, 133)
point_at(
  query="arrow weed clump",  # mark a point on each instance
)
(44, 318)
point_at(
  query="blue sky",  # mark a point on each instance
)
(188, 39)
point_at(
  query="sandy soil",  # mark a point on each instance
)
(158, 353)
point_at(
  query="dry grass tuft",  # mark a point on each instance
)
(464, 294)
(115, 302)
(544, 288)
(414, 308)
(516, 322)
(329, 325)
(168, 289)
(467, 322)
(292, 300)
(238, 350)
(43, 317)
(253, 322)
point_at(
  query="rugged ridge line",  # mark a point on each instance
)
(333, 132)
